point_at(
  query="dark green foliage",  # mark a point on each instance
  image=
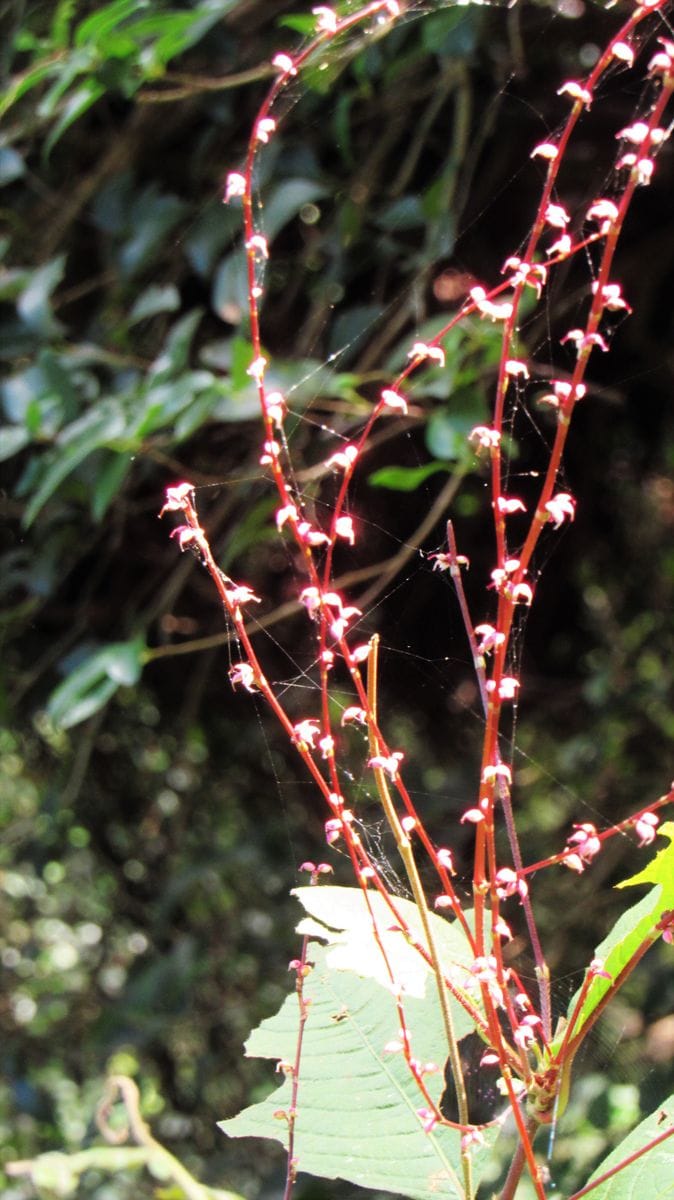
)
(151, 824)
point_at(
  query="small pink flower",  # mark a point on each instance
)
(604, 211)
(310, 597)
(472, 1137)
(520, 593)
(284, 64)
(611, 294)
(560, 508)
(275, 407)
(311, 536)
(242, 674)
(178, 498)
(596, 969)
(636, 133)
(354, 713)
(496, 312)
(623, 52)
(361, 653)
(473, 816)
(545, 150)
(485, 438)
(583, 340)
(326, 19)
(445, 859)
(257, 244)
(264, 129)
(421, 350)
(561, 247)
(288, 513)
(235, 186)
(516, 369)
(333, 830)
(390, 764)
(242, 594)
(394, 401)
(576, 91)
(557, 216)
(326, 746)
(497, 771)
(257, 368)
(187, 535)
(490, 639)
(428, 1119)
(270, 452)
(509, 883)
(507, 688)
(306, 732)
(503, 930)
(666, 926)
(645, 828)
(584, 841)
(508, 505)
(343, 459)
(344, 529)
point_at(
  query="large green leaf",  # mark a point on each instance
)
(651, 1177)
(634, 926)
(98, 427)
(358, 1107)
(89, 687)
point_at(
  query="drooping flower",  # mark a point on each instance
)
(560, 508)
(242, 674)
(354, 713)
(326, 19)
(235, 185)
(545, 150)
(576, 91)
(264, 129)
(344, 529)
(388, 763)
(306, 732)
(557, 216)
(284, 63)
(178, 498)
(645, 828)
(422, 350)
(584, 842)
(507, 505)
(394, 401)
(484, 437)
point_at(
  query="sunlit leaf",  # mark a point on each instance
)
(91, 684)
(357, 1117)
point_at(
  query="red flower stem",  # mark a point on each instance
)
(626, 1162)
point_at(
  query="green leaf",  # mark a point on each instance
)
(89, 687)
(447, 435)
(108, 483)
(34, 303)
(634, 927)
(405, 479)
(98, 427)
(286, 200)
(156, 298)
(651, 1177)
(101, 23)
(357, 1115)
(12, 439)
(82, 99)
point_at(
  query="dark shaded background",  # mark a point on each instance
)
(148, 852)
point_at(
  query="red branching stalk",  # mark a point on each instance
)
(334, 619)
